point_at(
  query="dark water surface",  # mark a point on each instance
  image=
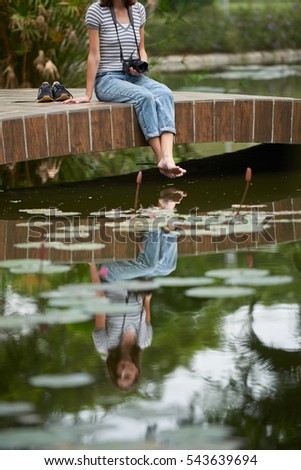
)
(219, 357)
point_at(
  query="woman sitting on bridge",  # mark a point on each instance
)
(116, 65)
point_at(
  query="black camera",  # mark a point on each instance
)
(139, 65)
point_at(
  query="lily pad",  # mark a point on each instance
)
(86, 305)
(54, 212)
(219, 292)
(71, 291)
(58, 381)
(89, 307)
(237, 272)
(62, 246)
(184, 281)
(59, 317)
(36, 223)
(12, 322)
(259, 281)
(23, 262)
(86, 290)
(113, 309)
(133, 285)
(39, 268)
(15, 408)
(97, 302)
(209, 436)
(33, 266)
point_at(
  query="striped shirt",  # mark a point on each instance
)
(109, 338)
(100, 18)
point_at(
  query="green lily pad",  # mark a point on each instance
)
(112, 309)
(133, 285)
(219, 292)
(23, 262)
(237, 272)
(15, 408)
(62, 246)
(36, 223)
(71, 290)
(12, 322)
(80, 303)
(90, 307)
(59, 317)
(39, 268)
(58, 381)
(260, 281)
(184, 281)
(33, 266)
(54, 212)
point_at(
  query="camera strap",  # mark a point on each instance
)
(130, 13)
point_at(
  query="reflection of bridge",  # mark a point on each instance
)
(280, 223)
(31, 131)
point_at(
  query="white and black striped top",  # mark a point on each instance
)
(110, 337)
(100, 18)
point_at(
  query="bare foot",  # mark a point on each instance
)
(168, 168)
(173, 194)
(170, 197)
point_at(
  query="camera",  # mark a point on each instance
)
(139, 65)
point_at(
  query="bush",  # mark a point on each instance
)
(210, 29)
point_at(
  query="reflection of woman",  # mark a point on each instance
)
(123, 337)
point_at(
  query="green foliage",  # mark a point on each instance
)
(41, 40)
(171, 5)
(248, 27)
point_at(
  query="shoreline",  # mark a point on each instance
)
(215, 61)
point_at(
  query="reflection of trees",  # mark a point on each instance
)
(54, 350)
(268, 413)
(83, 167)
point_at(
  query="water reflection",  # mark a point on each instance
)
(213, 371)
(123, 337)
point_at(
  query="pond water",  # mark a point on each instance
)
(272, 80)
(205, 272)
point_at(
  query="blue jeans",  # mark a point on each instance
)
(152, 101)
(159, 258)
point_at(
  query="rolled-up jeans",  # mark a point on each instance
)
(159, 258)
(152, 101)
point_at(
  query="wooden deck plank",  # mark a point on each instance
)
(224, 121)
(79, 131)
(243, 121)
(263, 121)
(57, 130)
(184, 123)
(36, 138)
(14, 141)
(204, 121)
(296, 131)
(282, 122)
(101, 128)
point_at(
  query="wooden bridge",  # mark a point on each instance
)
(31, 130)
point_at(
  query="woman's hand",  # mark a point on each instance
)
(83, 99)
(134, 72)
